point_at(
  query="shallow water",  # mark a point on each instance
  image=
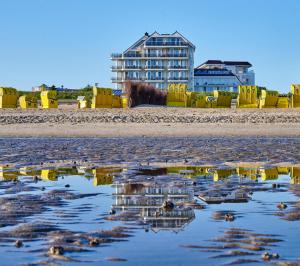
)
(122, 207)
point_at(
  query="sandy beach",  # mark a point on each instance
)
(67, 121)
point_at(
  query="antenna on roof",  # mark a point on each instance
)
(146, 34)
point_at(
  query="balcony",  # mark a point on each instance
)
(155, 67)
(155, 79)
(168, 43)
(148, 55)
(116, 56)
(178, 67)
(117, 67)
(178, 78)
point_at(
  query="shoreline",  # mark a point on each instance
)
(67, 121)
(119, 130)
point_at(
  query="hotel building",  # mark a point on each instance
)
(157, 59)
(222, 75)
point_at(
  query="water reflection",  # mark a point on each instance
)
(147, 200)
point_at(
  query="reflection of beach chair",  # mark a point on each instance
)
(7, 174)
(282, 170)
(102, 98)
(223, 99)
(8, 98)
(295, 175)
(247, 97)
(220, 174)
(49, 99)
(249, 172)
(295, 99)
(104, 175)
(49, 175)
(268, 99)
(268, 174)
(28, 101)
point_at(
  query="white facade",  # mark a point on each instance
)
(222, 75)
(157, 59)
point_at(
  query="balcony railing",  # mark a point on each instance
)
(154, 67)
(165, 55)
(177, 78)
(116, 67)
(116, 55)
(177, 67)
(169, 43)
(155, 78)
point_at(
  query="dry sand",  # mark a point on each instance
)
(67, 121)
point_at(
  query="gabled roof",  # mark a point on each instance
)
(237, 63)
(156, 34)
(226, 63)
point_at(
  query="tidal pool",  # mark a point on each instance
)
(150, 213)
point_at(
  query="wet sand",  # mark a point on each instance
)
(149, 121)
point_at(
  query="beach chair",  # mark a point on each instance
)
(102, 98)
(283, 101)
(268, 99)
(28, 101)
(117, 101)
(8, 97)
(176, 95)
(83, 102)
(295, 99)
(223, 99)
(247, 97)
(49, 99)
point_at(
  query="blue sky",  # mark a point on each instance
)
(69, 41)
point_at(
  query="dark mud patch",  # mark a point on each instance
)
(107, 150)
(236, 242)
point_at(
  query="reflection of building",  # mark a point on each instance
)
(147, 200)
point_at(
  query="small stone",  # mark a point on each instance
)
(18, 243)
(266, 256)
(56, 250)
(168, 205)
(281, 206)
(94, 242)
(229, 217)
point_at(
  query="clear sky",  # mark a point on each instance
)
(69, 42)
